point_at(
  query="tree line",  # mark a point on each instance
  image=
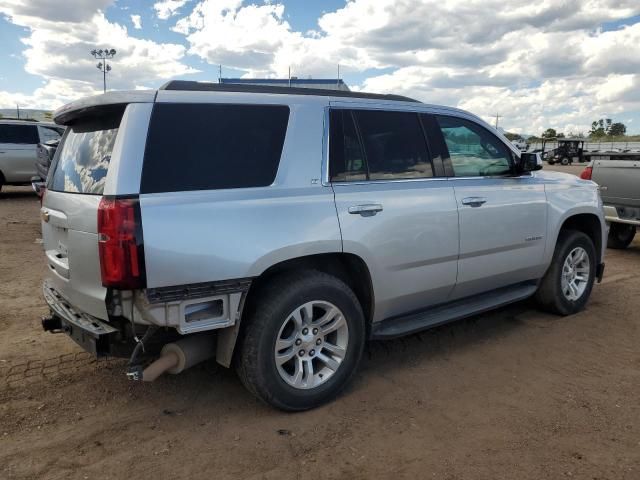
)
(600, 130)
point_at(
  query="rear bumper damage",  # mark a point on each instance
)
(170, 351)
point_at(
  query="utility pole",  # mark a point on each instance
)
(103, 66)
(497, 117)
(18, 110)
(220, 73)
(338, 80)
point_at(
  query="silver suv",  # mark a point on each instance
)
(18, 154)
(278, 229)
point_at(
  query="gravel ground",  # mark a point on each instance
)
(513, 394)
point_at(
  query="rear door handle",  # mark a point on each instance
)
(474, 201)
(367, 210)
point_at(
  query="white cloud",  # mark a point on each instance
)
(168, 8)
(537, 64)
(533, 63)
(58, 51)
(137, 21)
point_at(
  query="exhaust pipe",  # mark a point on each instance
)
(178, 356)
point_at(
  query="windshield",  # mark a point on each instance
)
(85, 153)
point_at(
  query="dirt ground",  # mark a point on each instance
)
(513, 394)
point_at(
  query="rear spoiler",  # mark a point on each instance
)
(78, 108)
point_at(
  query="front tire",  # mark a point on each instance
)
(620, 235)
(302, 340)
(566, 287)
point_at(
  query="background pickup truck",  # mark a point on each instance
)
(619, 182)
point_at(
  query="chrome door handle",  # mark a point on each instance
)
(367, 210)
(474, 201)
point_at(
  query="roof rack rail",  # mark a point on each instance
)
(193, 86)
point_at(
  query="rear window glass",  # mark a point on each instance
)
(50, 133)
(213, 146)
(85, 153)
(21, 134)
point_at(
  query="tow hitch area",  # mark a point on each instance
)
(91, 335)
(52, 324)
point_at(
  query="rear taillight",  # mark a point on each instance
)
(120, 243)
(586, 173)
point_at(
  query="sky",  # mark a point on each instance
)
(550, 63)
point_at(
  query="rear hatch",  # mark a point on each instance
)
(70, 209)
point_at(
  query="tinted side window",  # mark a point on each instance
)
(474, 151)
(394, 145)
(346, 159)
(212, 146)
(25, 134)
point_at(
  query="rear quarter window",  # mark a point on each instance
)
(213, 146)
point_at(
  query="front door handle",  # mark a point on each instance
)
(367, 210)
(474, 201)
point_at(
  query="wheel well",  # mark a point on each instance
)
(588, 224)
(349, 268)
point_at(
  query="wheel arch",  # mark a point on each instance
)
(589, 224)
(349, 268)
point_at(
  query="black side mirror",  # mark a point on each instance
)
(530, 162)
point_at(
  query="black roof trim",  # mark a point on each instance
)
(192, 86)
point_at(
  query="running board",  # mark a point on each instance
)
(448, 312)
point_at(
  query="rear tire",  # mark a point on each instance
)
(285, 358)
(566, 286)
(565, 161)
(620, 235)
(551, 162)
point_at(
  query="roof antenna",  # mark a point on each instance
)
(289, 76)
(220, 73)
(338, 80)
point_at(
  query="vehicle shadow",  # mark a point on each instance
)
(386, 358)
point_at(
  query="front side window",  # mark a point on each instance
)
(377, 145)
(473, 150)
(19, 134)
(213, 146)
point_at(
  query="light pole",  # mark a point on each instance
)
(103, 66)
